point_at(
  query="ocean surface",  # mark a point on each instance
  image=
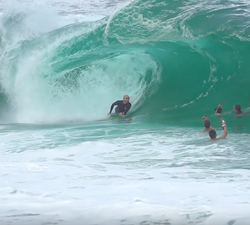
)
(65, 161)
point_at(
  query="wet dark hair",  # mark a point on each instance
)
(237, 107)
(212, 134)
(206, 123)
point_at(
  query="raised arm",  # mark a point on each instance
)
(223, 124)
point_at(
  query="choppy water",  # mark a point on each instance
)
(64, 161)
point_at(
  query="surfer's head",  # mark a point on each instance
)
(212, 134)
(206, 123)
(125, 99)
(237, 108)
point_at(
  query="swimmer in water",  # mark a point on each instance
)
(213, 135)
(207, 126)
(218, 110)
(237, 110)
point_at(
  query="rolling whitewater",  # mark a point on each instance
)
(65, 161)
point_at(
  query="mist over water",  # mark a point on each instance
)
(64, 161)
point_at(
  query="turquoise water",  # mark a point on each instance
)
(65, 161)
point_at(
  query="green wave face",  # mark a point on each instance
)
(177, 60)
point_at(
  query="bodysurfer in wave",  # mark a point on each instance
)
(122, 107)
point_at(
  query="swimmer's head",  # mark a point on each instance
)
(237, 108)
(212, 134)
(218, 109)
(206, 123)
(204, 117)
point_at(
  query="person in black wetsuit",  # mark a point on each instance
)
(218, 110)
(122, 107)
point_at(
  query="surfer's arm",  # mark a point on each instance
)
(124, 113)
(112, 106)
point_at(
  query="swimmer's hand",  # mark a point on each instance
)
(121, 114)
(223, 123)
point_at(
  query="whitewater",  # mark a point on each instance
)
(65, 161)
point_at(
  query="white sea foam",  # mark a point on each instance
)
(157, 176)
